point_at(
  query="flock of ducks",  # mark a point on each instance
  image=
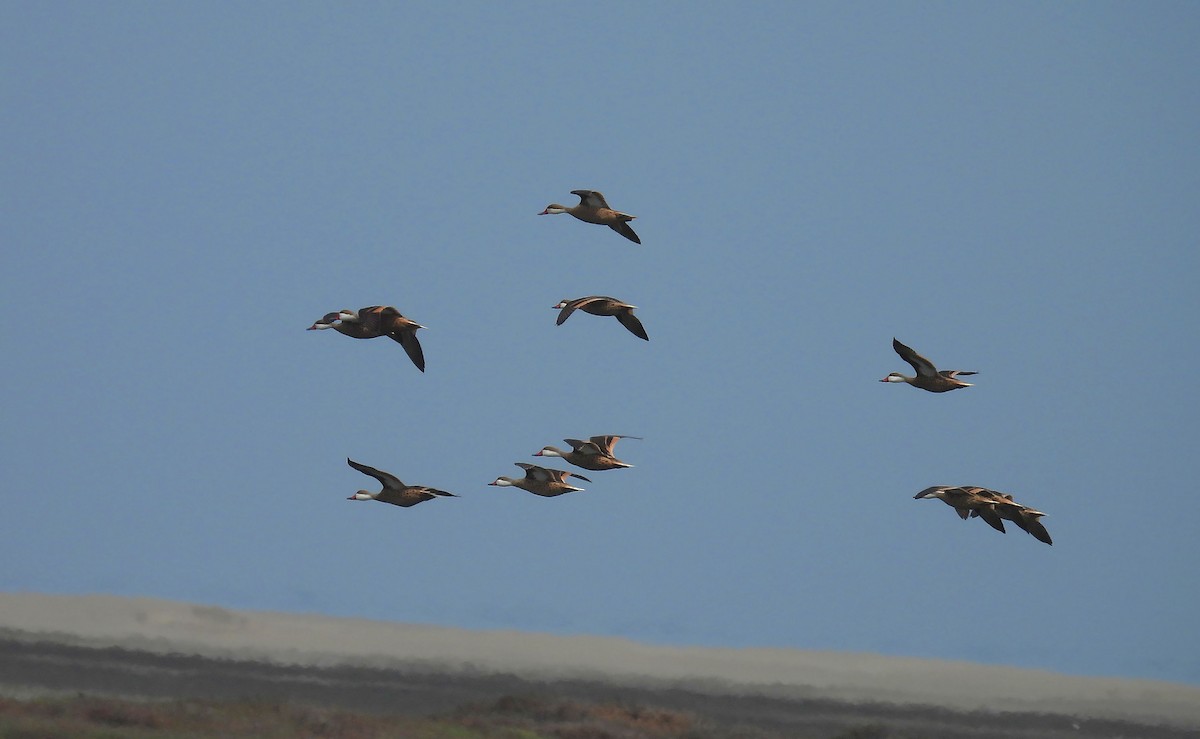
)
(596, 453)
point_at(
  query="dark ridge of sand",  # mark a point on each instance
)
(486, 699)
(282, 641)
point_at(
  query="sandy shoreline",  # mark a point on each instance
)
(170, 627)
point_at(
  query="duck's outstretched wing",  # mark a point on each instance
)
(591, 198)
(389, 481)
(631, 322)
(626, 231)
(570, 306)
(412, 347)
(923, 367)
(606, 443)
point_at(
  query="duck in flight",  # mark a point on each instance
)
(375, 321)
(593, 208)
(1026, 518)
(928, 376)
(965, 501)
(594, 454)
(540, 481)
(600, 305)
(394, 491)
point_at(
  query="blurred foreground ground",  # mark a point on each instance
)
(71, 681)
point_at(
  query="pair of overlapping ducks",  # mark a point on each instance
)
(596, 453)
(993, 507)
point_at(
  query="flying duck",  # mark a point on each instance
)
(540, 480)
(593, 208)
(375, 321)
(600, 305)
(394, 491)
(1024, 517)
(594, 454)
(965, 501)
(928, 377)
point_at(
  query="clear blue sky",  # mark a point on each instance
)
(1011, 188)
